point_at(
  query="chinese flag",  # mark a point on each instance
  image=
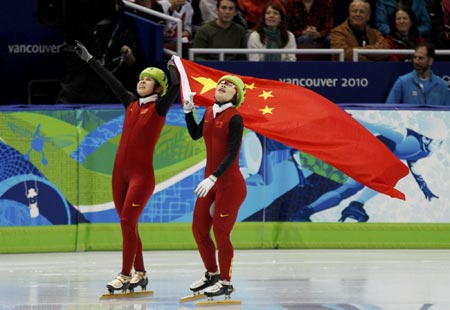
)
(304, 120)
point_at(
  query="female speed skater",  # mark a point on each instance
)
(221, 193)
(133, 178)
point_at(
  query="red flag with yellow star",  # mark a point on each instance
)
(304, 120)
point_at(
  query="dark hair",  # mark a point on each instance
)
(413, 32)
(277, 6)
(234, 1)
(429, 47)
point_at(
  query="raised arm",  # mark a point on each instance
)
(113, 83)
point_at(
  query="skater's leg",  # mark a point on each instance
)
(333, 198)
(201, 227)
(228, 201)
(355, 210)
(139, 258)
(137, 197)
(327, 200)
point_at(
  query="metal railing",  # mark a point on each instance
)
(361, 51)
(165, 17)
(221, 52)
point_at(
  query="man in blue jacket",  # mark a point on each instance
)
(421, 86)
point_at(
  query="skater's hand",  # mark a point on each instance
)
(204, 186)
(428, 193)
(188, 104)
(171, 62)
(82, 51)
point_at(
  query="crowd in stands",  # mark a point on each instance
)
(347, 24)
(265, 24)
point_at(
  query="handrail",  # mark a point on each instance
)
(162, 16)
(222, 52)
(358, 51)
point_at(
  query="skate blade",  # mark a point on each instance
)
(192, 297)
(218, 302)
(127, 295)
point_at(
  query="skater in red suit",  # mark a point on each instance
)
(223, 190)
(133, 178)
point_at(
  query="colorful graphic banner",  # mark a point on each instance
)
(56, 163)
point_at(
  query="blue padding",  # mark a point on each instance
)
(150, 36)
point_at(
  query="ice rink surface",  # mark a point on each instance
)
(263, 279)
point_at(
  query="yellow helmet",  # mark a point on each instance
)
(240, 86)
(158, 75)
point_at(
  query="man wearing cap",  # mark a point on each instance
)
(223, 190)
(133, 178)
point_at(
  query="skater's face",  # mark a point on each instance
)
(431, 145)
(225, 91)
(147, 86)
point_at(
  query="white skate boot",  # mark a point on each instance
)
(207, 280)
(120, 283)
(139, 279)
(221, 287)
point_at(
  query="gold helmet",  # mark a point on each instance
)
(158, 75)
(240, 86)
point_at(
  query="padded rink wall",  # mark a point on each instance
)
(55, 185)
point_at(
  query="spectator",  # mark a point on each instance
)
(404, 32)
(421, 86)
(386, 8)
(355, 32)
(222, 33)
(109, 41)
(311, 21)
(251, 11)
(208, 9)
(183, 10)
(272, 32)
(152, 5)
(440, 20)
(340, 10)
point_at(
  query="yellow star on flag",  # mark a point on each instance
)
(266, 94)
(267, 110)
(250, 86)
(207, 83)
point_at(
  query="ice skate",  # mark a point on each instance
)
(123, 283)
(139, 279)
(220, 288)
(207, 280)
(120, 283)
(355, 210)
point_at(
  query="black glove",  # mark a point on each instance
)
(82, 51)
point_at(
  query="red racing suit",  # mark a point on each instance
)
(133, 178)
(223, 137)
